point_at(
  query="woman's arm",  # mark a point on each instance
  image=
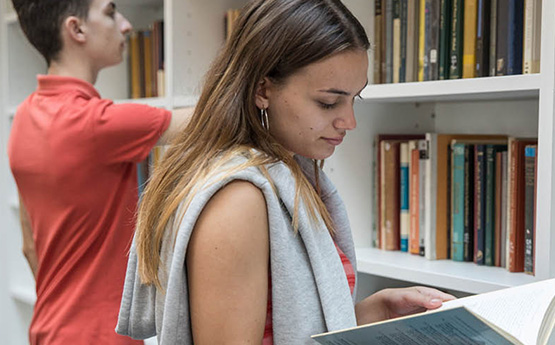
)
(227, 267)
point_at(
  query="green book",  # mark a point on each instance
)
(457, 39)
(444, 39)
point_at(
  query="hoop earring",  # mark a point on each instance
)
(264, 119)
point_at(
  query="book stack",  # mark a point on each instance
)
(146, 62)
(457, 196)
(420, 40)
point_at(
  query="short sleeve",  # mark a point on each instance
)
(127, 132)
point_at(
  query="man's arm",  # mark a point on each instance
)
(28, 241)
(180, 118)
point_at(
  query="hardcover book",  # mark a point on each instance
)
(523, 315)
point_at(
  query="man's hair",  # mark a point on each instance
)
(41, 21)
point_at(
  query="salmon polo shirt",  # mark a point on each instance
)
(73, 156)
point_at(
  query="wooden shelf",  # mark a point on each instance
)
(489, 88)
(460, 276)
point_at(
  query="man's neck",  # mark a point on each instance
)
(73, 68)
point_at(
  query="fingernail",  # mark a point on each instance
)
(435, 301)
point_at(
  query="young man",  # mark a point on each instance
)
(73, 156)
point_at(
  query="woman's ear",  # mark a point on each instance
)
(74, 29)
(262, 94)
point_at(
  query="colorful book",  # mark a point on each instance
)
(479, 203)
(489, 198)
(414, 194)
(529, 207)
(422, 40)
(469, 41)
(457, 35)
(493, 38)
(412, 41)
(377, 41)
(389, 184)
(515, 207)
(468, 229)
(444, 38)
(423, 149)
(482, 38)
(457, 201)
(396, 40)
(502, 42)
(404, 182)
(532, 36)
(515, 38)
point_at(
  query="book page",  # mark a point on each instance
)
(519, 310)
(450, 327)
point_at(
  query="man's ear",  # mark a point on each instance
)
(262, 94)
(73, 26)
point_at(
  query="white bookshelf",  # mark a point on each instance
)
(475, 89)
(521, 105)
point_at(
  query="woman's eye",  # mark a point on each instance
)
(325, 105)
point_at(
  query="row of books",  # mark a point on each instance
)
(420, 40)
(459, 197)
(146, 62)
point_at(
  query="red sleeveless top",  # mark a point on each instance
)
(351, 279)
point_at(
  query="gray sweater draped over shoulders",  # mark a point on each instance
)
(310, 292)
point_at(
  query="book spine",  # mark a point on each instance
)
(498, 207)
(403, 63)
(502, 37)
(492, 38)
(482, 38)
(389, 8)
(390, 195)
(430, 242)
(427, 38)
(504, 205)
(457, 202)
(468, 233)
(528, 36)
(414, 196)
(396, 40)
(479, 204)
(421, 39)
(489, 228)
(469, 47)
(515, 31)
(377, 41)
(404, 196)
(412, 41)
(433, 58)
(424, 157)
(444, 38)
(536, 36)
(529, 206)
(456, 61)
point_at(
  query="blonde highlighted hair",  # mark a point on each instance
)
(273, 39)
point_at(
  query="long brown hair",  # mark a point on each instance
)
(273, 39)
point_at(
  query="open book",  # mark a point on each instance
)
(519, 315)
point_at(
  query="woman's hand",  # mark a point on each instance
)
(392, 303)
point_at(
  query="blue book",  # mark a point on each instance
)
(457, 201)
(515, 37)
(404, 197)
